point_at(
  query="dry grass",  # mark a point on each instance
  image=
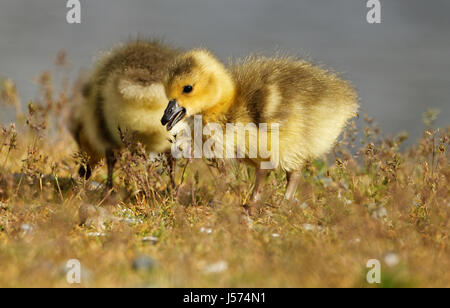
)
(380, 202)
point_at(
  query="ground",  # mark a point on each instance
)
(371, 198)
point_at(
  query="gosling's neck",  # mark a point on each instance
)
(218, 112)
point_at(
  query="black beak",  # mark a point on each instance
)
(173, 114)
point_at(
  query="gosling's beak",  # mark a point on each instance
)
(173, 114)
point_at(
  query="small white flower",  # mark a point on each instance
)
(26, 228)
(206, 230)
(355, 241)
(391, 259)
(215, 268)
(310, 227)
(96, 234)
(150, 239)
(377, 212)
(132, 221)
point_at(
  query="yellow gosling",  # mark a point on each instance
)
(311, 105)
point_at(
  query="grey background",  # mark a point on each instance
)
(400, 67)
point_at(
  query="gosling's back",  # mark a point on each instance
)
(311, 105)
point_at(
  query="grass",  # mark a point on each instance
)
(372, 198)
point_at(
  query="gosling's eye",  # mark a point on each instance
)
(187, 89)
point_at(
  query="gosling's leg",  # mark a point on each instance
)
(293, 181)
(110, 163)
(260, 177)
(85, 171)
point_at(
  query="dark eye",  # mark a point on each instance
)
(187, 89)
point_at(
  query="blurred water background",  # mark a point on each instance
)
(400, 67)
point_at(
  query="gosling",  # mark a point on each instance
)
(125, 91)
(311, 105)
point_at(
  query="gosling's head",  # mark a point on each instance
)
(197, 83)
